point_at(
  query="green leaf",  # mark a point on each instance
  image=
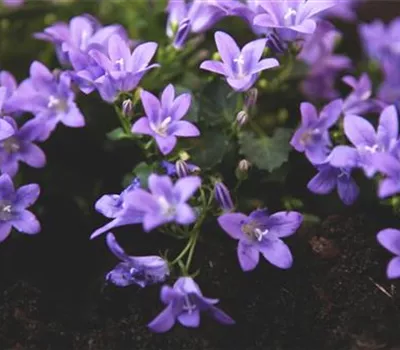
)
(143, 171)
(118, 134)
(209, 149)
(218, 103)
(267, 153)
(193, 113)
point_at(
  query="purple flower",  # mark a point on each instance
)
(390, 239)
(312, 137)
(240, 67)
(389, 90)
(9, 84)
(366, 141)
(140, 270)
(180, 168)
(196, 16)
(13, 3)
(123, 69)
(381, 41)
(324, 65)
(166, 201)
(118, 208)
(6, 129)
(50, 98)
(389, 165)
(343, 9)
(13, 206)
(184, 303)
(20, 147)
(359, 101)
(223, 196)
(261, 233)
(329, 177)
(163, 118)
(82, 34)
(291, 17)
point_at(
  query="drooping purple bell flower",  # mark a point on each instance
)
(261, 233)
(119, 209)
(139, 270)
(184, 303)
(163, 120)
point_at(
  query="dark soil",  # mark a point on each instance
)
(335, 297)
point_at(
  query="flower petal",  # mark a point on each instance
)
(393, 268)
(191, 320)
(33, 156)
(151, 106)
(277, 253)
(167, 97)
(388, 187)
(390, 239)
(227, 48)
(343, 157)
(283, 224)
(153, 220)
(183, 128)
(309, 114)
(6, 187)
(324, 182)
(115, 248)
(141, 126)
(5, 230)
(185, 215)
(214, 66)
(180, 106)
(220, 315)
(232, 223)
(166, 144)
(359, 131)
(141, 200)
(142, 55)
(248, 256)
(164, 321)
(388, 128)
(348, 190)
(27, 195)
(264, 64)
(26, 222)
(185, 187)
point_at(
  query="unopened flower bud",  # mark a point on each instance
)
(242, 117)
(181, 168)
(182, 34)
(242, 169)
(223, 196)
(251, 98)
(127, 108)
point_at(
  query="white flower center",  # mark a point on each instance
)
(240, 64)
(5, 210)
(57, 104)
(290, 12)
(120, 63)
(11, 145)
(259, 235)
(308, 135)
(167, 209)
(188, 305)
(366, 95)
(84, 40)
(162, 128)
(375, 148)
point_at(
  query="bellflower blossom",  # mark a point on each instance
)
(123, 69)
(312, 137)
(140, 270)
(6, 129)
(329, 177)
(324, 65)
(119, 208)
(289, 18)
(50, 98)
(389, 90)
(9, 84)
(240, 67)
(366, 141)
(13, 204)
(388, 165)
(261, 233)
(184, 303)
(166, 202)
(163, 118)
(196, 17)
(358, 101)
(20, 148)
(81, 34)
(390, 239)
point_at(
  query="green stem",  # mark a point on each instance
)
(183, 252)
(123, 121)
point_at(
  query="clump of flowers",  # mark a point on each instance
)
(203, 139)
